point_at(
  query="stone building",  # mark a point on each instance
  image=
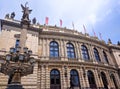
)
(64, 57)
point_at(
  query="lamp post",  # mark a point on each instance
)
(17, 64)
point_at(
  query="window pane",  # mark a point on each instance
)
(74, 78)
(52, 81)
(70, 51)
(54, 49)
(96, 55)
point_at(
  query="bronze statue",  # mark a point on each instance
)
(12, 15)
(7, 16)
(26, 12)
(34, 20)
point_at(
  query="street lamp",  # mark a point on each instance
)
(17, 64)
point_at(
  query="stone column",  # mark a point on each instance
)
(110, 59)
(98, 79)
(47, 49)
(42, 77)
(80, 52)
(77, 51)
(38, 77)
(81, 78)
(63, 79)
(47, 78)
(101, 55)
(85, 78)
(61, 50)
(90, 52)
(68, 77)
(110, 82)
(23, 37)
(65, 50)
(117, 79)
(40, 48)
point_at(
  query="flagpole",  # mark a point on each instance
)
(100, 35)
(94, 32)
(73, 26)
(84, 29)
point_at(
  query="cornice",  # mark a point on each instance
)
(17, 24)
(72, 37)
(114, 47)
(73, 63)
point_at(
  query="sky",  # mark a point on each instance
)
(99, 16)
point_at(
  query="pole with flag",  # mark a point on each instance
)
(46, 20)
(73, 26)
(94, 32)
(100, 35)
(60, 23)
(84, 29)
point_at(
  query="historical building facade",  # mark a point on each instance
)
(64, 58)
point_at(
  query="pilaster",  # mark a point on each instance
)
(47, 78)
(42, 77)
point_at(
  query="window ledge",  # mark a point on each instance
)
(55, 58)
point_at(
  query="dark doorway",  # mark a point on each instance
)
(55, 79)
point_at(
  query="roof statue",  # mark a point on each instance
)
(26, 11)
(12, 15)
(109, 41)
(34, 20)
(118, 43)
(7, 16)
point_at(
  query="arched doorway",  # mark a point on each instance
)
(114, 81)
(91, 80)
(104, 80)
(55, 79)
(74, 79)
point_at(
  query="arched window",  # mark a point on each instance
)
(114, 81)
(74, 78)
(85, 54)
(55, 79)
(105, 57)
(104, 80)
(96, 54)
(54, 49)
(70, 50)
(91, 79)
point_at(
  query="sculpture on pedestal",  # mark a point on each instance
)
(26, 12)
(25, 18)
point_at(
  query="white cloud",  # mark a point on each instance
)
(87, 12)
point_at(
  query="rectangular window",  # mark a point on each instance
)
(17, 44)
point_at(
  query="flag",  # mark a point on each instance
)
(73, 26)
(84, 28)
(94, 33)
(100, 35)
(46, 20)
(60, 23)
